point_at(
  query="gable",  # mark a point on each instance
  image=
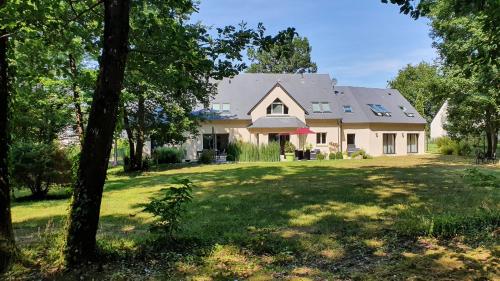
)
(277, 92)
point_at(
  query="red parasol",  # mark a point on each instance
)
(302, 131)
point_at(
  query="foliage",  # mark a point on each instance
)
(289, 147)
(480, 178)
(361, 153)
(290, 55)
(207, 156)
(167, 155)
(424, 86)
(447, 224)
(447, 146)
(320, 156)
(335, 155)
(248, 152)
(38, 166)
(169, 208)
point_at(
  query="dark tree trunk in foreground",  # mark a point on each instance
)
(87, 195)
(76, 100)
(7, 245)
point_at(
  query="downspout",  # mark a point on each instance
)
(340, 132)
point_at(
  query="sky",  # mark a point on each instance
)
(358, 42)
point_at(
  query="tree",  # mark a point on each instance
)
(291, 54)
(466, 36)
(87, 194)
(424, 87)
(7, 242)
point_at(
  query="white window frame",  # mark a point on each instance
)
(322, 138)
(412, 143)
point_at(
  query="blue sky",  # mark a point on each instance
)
(359, 42)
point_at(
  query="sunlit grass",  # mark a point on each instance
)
(294, 220)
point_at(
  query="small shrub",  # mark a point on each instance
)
(207, 156)
(169, 208)
(361, 153)
(169, 155)
(339, 155)
(447, 146)
(320, 156)
(332, 156)
(38, 166)
(289, 147)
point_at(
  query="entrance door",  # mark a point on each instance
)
(282, 139)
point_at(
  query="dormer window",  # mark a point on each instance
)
(277, 107)
(321, 107)
(347, 109)
(216, 107)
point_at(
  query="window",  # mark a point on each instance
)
(325, 107)
(379, 110)
(277, 107)
(412, 143)
(216, 107)
(351, 139)
(347, 109)
(320, 138)
(410, 114)
(226, 107)
(316, 107)
(221, 141)
(389, 143)
(321, 107)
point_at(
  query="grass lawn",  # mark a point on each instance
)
(316, 220)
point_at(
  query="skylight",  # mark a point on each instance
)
(347, 109)
(321, 107)
(403, 108)
(379, 110)
(410, 114)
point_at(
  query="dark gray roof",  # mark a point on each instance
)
(359, 98)
(244, 91)
(278, 122)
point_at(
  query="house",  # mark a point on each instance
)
(260, 108)
(437, 124)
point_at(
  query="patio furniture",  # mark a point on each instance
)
(314, 154)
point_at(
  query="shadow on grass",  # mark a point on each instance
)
(338, 220)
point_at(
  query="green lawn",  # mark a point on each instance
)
(317, 220)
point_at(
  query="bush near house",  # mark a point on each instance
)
(361, 153)
(335, 155)
(447, 146)
(39, 166)
(248, 152)
(168, 155)
(207, 156)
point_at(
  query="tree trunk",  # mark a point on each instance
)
(140, 132)
(130, 137)
(7, 244)
(79, 127)
(87, 195)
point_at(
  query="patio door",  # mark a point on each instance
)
(389, 143)
(281, 138)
